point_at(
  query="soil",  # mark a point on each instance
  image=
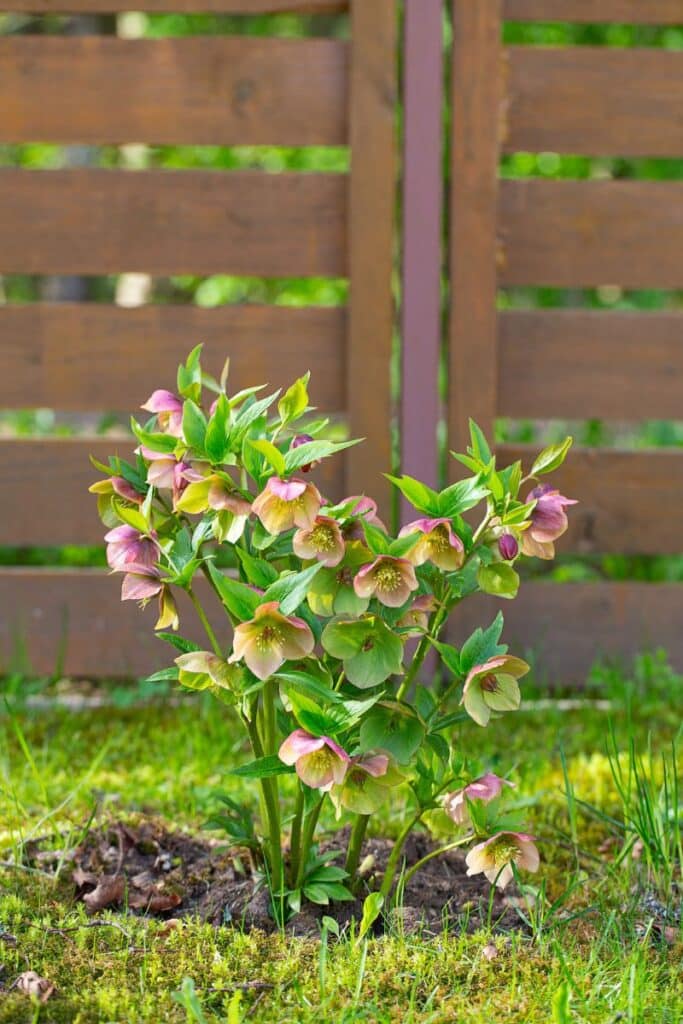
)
(148, 869)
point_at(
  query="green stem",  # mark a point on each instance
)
(272, 812)
(273, 799)
(205, 622)
(435, 853)
(355, 846)
(421, 652)
(309, 831)
(395, 855)
(295, 841)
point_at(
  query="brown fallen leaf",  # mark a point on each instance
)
(110, 889)
(154, 901)
(82, 878)
(31, 984)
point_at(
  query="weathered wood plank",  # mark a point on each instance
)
(197, 90)
(581, 364)
(595, 100)
(565, 628)
(46, 482)
(476, 98)
(182, 6)
(586, 233)
(627, 498)
(372, 189)
(91, 356)
(172, 222)
(643, 12)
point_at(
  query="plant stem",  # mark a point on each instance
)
(273, 797)
(272, 811)
(395, 855)
(355, 846)
(309, 831)
(205, 622)
(421, 652)
(435, 853)
(295, 841)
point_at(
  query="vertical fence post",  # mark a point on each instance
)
(371, 214)
(477, 94)
(422, 224)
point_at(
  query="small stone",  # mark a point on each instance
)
(490, 951)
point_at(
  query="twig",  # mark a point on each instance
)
(86, 924)
(11, 865)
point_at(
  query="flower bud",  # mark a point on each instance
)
(296, 443)
(508, 547)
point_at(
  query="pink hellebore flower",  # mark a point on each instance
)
(269, 639)
(548, 521)
(366, 509)
(417, 616)
(323, 541)
(168, 611)
(296, 443)
(169, 411)
(486, 789)
(493, 687)
(496, 856)
(140, 583)
(283, 504)
(125, 544)
(508, 547)
(366, 785)
(320, 762)
(438, 544)
(389, 579)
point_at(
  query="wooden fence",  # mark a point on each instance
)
(503, 233)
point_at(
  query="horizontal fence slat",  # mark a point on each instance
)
(643, 12)
(46, 482)
(595, 100)
(565, 628)
(584, 233)
(180, 6)
(74, 621)
(627, 499)
(575, 364)
(91, 356)
(201, 90)
(172, 222)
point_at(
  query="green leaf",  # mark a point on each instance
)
(423, 498)
(162, 443)
(377, 540)
(480, 447)
(190, 375)
(240, 600)
(372, 908)
(450, 656)
(317, 894)
(179, 642)
(258, 572)
(163, 675)
(318, 689)
(313, 451)
(294, 402)
(270, 453)
(394, 728)
(561, 1008)
(499, 579)
(194, 426)
(482, 645)
(400, 547)
(263, 768)
(254, 410)
(291, 589)
(131, 516)
(460, 497)
(217, 439)
(552, 457)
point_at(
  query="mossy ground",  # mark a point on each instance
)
(598, 958)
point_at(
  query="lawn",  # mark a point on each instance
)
(596, 939)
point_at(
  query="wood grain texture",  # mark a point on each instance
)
(47, 480)
(586, 233)
(595, 100)
(563, 629)
(199, 90)
(643, 12)
(182, 6)
(88, 357)
(371, 259)
(627, 499)
(583, 364)
(172, 222)
(477, 91)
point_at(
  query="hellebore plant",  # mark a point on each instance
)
(327, 620)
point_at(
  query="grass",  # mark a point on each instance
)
(591, 952)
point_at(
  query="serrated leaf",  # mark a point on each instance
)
(194, 426)
(179, 642)
(394, 728)
(498, 579)
(423, 498)
(480, 446)
(271, 454)
(131, 516)
(461, 496)
(217, 441)
(240, 600)
(314, 451)
(551, 458)
(263, 768)
(482, 645)
(376, 539)
(294, 402)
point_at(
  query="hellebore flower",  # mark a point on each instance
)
(493, 687)
(215, 491)
(548, 521)
(486, 789)
(287, 503)
(438, 544)
(119, 486)
(496, 856)
(269, 639)
(319, 761)
(125, 544)
(366, 784)
(508, 547)
(168, 611)
(389, 579)
(366, 509)
(140, 583)
(323, 541)
(169, 411)
(296, 443)
(417, 616)
(332, 590)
